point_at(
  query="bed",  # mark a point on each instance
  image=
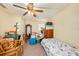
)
(11, 47)
(54, 47)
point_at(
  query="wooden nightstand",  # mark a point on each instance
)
(48, 33)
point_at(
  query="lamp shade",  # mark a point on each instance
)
(49, 23)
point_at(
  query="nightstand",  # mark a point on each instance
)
(48, 33)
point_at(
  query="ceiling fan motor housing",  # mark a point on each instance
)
(30, 6)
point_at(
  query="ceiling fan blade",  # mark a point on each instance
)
(34, 14)
(25, 13)
(3, 5)
(39, 10)
(18, 6)
(42, 7)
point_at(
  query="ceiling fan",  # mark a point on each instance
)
(29, 7)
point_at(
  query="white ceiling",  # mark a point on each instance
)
(52, 9)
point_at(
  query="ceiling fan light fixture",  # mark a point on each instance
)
(29, 12)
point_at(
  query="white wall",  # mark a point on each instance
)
(36, 22)
(66, 25)
(8, 20)
(35, 25)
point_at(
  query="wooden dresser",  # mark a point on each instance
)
(48, 33)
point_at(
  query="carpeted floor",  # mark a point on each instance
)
(33, 50)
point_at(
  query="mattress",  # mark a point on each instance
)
(54, 47)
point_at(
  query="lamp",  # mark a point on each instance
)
(49, 23)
